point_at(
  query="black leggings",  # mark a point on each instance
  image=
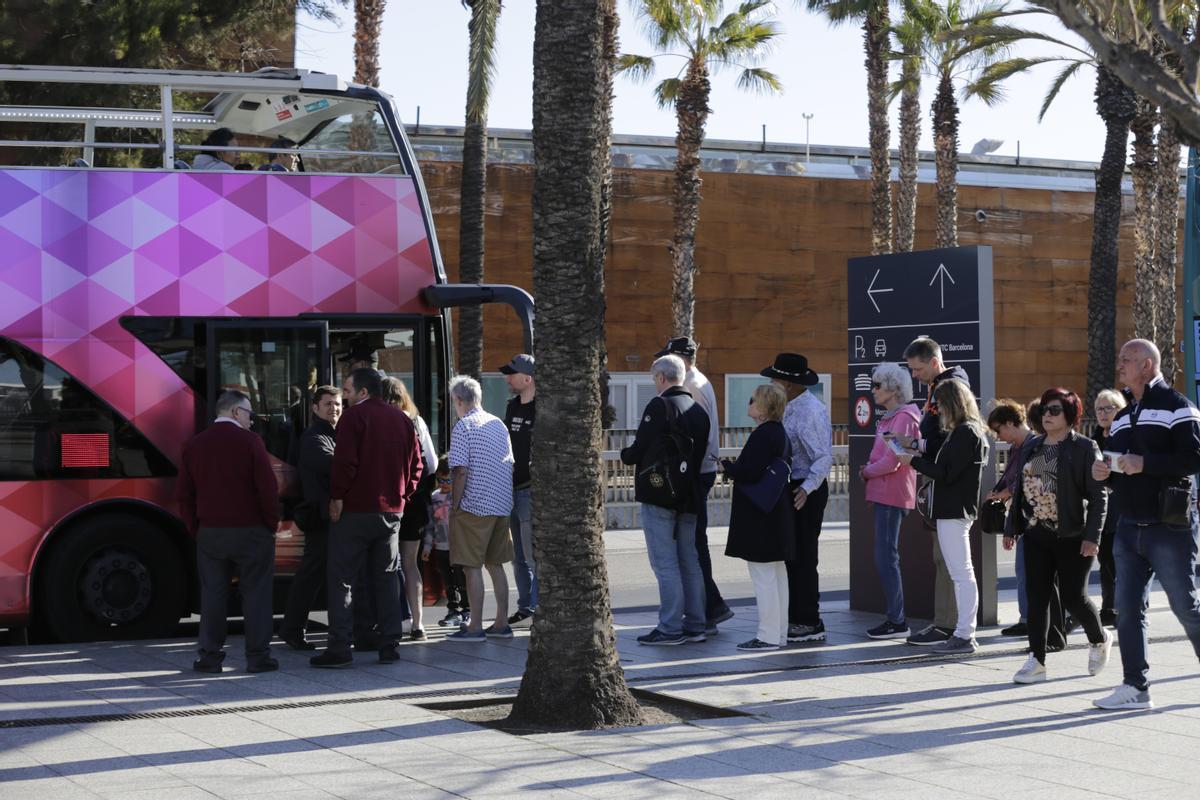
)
(1045, 554)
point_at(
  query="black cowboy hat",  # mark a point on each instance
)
(680, 346)
(793, 368)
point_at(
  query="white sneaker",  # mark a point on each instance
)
(1098, 654)
(1125, 697)
(1032, 671)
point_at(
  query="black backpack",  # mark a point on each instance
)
(664, 477)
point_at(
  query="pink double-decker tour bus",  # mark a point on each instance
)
(149, 260)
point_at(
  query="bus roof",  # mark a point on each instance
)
(267, 79)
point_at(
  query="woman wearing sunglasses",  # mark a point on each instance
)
(1059, 509)
(1108, 403)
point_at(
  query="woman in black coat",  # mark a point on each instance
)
(764, 539)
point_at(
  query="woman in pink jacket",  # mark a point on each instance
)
(892, 487)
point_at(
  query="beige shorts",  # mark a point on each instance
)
(476, 541)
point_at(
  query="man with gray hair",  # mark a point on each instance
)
(668, 450)
(481, 500)
(229, 499)
(1151, 453)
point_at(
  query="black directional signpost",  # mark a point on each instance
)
(947, 296)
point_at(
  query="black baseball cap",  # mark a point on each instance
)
(520, 364)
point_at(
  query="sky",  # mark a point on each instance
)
(424, 65)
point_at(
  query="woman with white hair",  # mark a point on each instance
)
(892, 487)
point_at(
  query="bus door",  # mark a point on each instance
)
(277, 363)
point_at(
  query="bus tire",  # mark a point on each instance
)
(111, 576)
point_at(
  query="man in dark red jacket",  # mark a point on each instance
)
(229, 499)
(376, 466)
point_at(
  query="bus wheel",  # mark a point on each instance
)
(113, 576)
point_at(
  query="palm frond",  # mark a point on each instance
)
(841, 12)
(1056, 86)
(637, 68)
(759, 81)
(667, 91)
(663, 22)
(481, 56)
(752, 40)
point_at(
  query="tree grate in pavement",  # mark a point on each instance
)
(505, 691)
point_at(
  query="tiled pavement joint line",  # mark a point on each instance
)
(36, 722)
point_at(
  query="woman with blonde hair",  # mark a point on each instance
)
(416, 510)
(761, 531)
(957, 472)
(1108, 403)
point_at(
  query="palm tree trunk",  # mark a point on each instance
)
(1117, 106)
(1142, 170)
(945, 146)
(1167, 210)
(910, 136)
(472, 203)
(876, 44)
(691, 114)
(573, 678)
(368, 22)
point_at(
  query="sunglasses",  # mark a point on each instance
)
(1053, 411)
(876, 385)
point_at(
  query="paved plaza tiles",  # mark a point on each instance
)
(849, 718)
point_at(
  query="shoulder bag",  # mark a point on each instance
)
(765, 492)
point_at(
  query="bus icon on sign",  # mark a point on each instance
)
(862, 382)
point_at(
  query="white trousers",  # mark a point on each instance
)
(955, 541)
(771, 595)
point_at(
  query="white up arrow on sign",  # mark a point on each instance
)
(942, 273)
(872, 291)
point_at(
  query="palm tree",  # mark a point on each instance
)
(707, 42)
(873, 14)
(481, 68)
(959, 48)
(1167, 240)
(1143, 170)
(910, 35)
(573, 678)
(1117, 105)
(368, 23)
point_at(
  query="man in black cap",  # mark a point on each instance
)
(518, 417)
(700, 388)
(806, 420)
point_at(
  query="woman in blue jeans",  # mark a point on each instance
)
(892, 487)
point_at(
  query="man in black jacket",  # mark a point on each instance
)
(1151, 453)
(316, 459)
(671, 531)
(924, 357)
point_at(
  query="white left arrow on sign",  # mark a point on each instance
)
(872, 291)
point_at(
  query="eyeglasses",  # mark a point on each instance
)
(1106, 409)
(249, 414)
(1053, 411)
(876, 385)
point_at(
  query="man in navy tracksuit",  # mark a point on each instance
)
(1158, 438)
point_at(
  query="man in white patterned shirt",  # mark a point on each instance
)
(481, 470)
(806, 420)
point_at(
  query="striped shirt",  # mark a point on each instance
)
(480, 444)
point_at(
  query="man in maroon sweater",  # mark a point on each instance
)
(229, 499)
(376, 466)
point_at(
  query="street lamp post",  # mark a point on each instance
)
(807, 153)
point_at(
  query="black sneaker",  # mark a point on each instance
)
(696, 637)
(806, 633)
(451, 620)
(1019, 629)
(263, 665)
(889, 630)
(389, 654)
(417, 634)
(929, 636)
(520, 617)
(210, 666)
(724, 616)
(298, 642)
(757, 644)
(328, 660)
(657, 637)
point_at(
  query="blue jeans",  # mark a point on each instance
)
(671, 546)
(524, 571)
(887, 559)
(1019, 567)
(1143, 552)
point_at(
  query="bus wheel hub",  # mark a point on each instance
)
(115, 586)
